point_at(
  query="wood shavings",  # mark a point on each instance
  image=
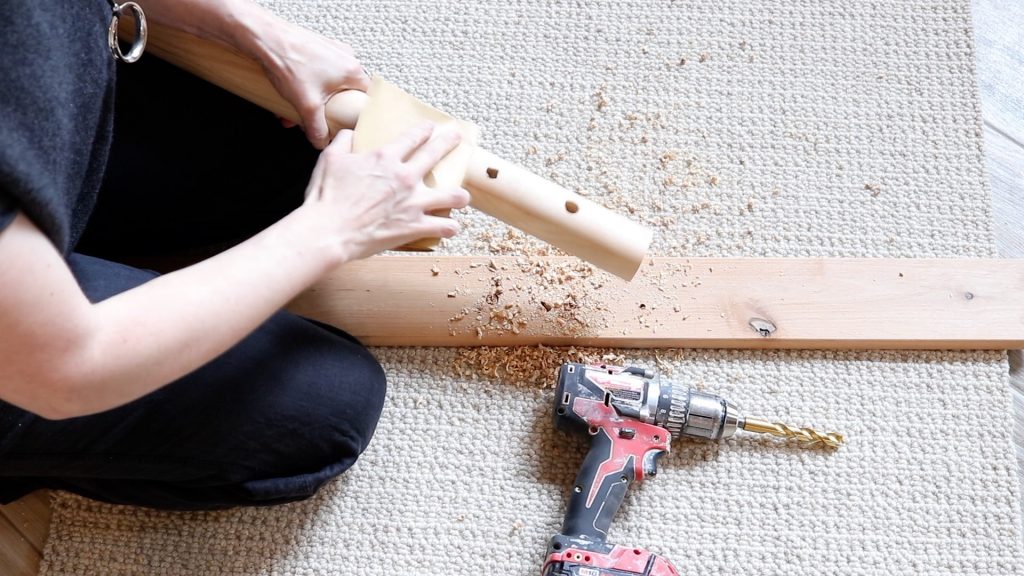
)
(555, 159)
(531, 366)
(525, 292)
(517, 526)
(602, 100)
(517, 243)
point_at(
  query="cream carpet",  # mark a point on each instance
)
(735, 128)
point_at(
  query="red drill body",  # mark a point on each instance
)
(631, 419)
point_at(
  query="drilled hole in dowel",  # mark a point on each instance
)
(571, 207)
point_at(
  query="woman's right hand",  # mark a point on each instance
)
(377, 200)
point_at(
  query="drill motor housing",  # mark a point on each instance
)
(631, 417)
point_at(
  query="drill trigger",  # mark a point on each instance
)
(650, 461)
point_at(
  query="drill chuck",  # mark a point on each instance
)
(701, 415)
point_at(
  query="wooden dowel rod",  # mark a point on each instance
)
(548, 211)
(814, 303)
(515, 196)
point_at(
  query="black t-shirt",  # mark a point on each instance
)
(56, 112)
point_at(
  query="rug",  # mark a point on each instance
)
(732, 128)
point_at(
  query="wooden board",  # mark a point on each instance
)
(1005, 164)
(17, 555)
(24, 525)
(999, 43)
(849, 303)
(31, 517)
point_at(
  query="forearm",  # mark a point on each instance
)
(149, 336)
(240, 24)
(64, 356)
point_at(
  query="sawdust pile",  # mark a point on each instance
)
(533, 366)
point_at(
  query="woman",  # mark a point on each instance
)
(187, 390)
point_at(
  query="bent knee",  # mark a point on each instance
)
(360, 393)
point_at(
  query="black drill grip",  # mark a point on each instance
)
(599, 489)
(622, 449)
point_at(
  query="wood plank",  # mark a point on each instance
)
(17, 555)
(31, 517)
(999, 43)
(845, 303)
(1004, 160)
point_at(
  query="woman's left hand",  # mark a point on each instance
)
(307, 69)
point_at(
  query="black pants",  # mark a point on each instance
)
(193, 170)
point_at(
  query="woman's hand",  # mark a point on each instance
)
(307, 69)
(377, 200)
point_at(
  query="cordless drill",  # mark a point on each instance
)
(631, 418)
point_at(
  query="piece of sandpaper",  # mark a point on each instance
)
(391, 112)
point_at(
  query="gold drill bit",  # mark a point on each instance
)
(809, 435)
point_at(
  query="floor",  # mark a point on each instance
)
(999, 32)
(23, 528)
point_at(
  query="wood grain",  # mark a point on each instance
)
(837, 303)
(1005, 165)
(999, 43)
(18, 557)
(31, 517)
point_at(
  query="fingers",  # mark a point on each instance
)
(424, 158)
(410, 141)
(314, 122)
(453, 198)
(342, 144)
(438, 227)
(342, 141)
(356, 75)
(359, 81)
(427, 225)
